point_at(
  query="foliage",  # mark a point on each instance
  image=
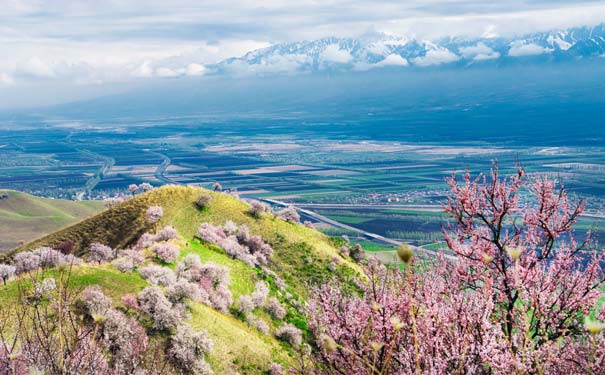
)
(237, 242)
(289, 214)
(203, 200)
(187, 350)
(514, 300)
(100, 253)
(154, 214)
(166, 251)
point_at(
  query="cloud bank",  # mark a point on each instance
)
(86, 42)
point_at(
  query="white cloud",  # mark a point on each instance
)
(145, 70)
(164, 72)
(36, 68)
(334, 54)
(479, 52)
(276, 63)
(484, 57)
(436, 57)
(5, 79)
(518, 49)
(194, 69)
(392, 60)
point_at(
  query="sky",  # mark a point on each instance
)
(70, 46)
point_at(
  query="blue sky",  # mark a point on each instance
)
(101, 42)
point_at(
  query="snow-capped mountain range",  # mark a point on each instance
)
(381, 50)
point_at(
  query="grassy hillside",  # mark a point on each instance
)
(23, 216)
(301, 254)
(300, 258)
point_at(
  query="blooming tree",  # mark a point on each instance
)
(517, 297)
(133, 188)
(166, 252)
(7, 272)
(154, 214)
(145, 186)
(203, 201)
(289, 214)
(100, 253)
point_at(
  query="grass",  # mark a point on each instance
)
(374, 246)
(349, 219)
(23, 216)
(242, 275)
(236, 345)
(122, 225)
(301, 256)
(113, 282)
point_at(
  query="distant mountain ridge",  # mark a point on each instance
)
(381, 50)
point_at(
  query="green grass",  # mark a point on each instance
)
(122, 225)
(242, 275)
(300, 257)
(23, 216)
(374, 246)
(237, 347)
(349, 219)
(114, 283)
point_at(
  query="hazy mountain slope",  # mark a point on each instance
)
(24, 217)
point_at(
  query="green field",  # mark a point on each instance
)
(24, 217)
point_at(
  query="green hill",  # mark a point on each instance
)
(301, 257)
(24, 217)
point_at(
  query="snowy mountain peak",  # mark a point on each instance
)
(377, 50)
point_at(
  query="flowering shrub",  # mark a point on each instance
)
(517, 298)
(48, 257)
(257, 209)
(125, 339)
(203, 201)
(258, 323)
(96, 301)
(154, 214)
(276, 369)
(145, 186)
(158, 275)
(7, 272)
(100, 253)
(245, 304)
(166, 252)
(130, 302)
(133, 188)
(44, 288)
(289, 334)
(212, 280)
(154, 304)
(26, 261)
(167, 233)
(183, 289)
(260, 294)
(237, 242)
(275, 309)
(44, 257)
(114, 201)
(188, 349)
(356, 252)
(128, 260)
(289, 214)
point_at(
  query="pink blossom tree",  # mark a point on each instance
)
(517, 297)
(166, 252)
(154, 214)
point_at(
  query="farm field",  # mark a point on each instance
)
(24, 217)
(394, 189)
